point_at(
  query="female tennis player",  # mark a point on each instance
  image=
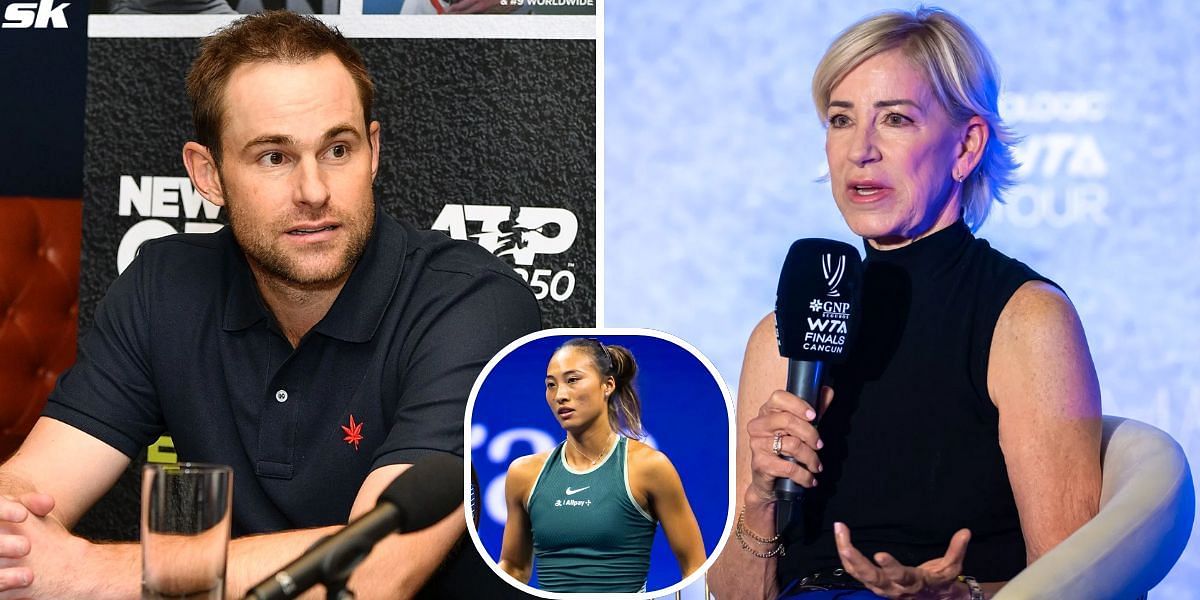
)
(586, 510)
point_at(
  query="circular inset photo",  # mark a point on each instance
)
(604, 461)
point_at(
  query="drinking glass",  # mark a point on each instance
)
(186, 512)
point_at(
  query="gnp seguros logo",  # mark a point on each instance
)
(827, 331)
(522, 233)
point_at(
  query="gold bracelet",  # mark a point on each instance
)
(741, 524)
(741, 528)
(776, 551)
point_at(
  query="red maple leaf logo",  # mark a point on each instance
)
(353, 433)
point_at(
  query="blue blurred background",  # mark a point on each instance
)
(683, 411)
(713, 148)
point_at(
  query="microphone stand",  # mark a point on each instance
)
(337, 590)
(336, 571)
(417, 498)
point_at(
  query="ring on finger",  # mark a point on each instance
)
(777, 445)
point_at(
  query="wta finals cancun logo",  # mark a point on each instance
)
(836, 313)
(827, 332)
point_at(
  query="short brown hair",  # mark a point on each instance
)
(274, 36)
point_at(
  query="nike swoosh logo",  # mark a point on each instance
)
(571, 492)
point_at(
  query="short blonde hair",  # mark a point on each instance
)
(959, 69)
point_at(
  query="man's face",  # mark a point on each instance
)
(297, 168)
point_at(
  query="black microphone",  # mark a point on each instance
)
(816, 316)
(422, 495)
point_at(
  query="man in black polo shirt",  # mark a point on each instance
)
(316, 345)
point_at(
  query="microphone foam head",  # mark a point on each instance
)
(427, 491)
(817, 304)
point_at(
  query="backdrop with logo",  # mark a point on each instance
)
(684, 413)
(492, 141)
(708, 120)
(488, 133)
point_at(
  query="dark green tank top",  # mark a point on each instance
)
(589, 535)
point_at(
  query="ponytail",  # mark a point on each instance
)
(624, 405)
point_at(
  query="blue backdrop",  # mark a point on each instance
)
(683, 410)
(712, 149)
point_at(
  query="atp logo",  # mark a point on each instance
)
(35, 15)
(523, 233)
(520, 232)
(833, 273)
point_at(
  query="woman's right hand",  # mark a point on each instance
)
(791, 417)
(745, 570)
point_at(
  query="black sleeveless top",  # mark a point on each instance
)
(912, 451)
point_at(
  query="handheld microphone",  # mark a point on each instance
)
(816, 316)
(422, 495)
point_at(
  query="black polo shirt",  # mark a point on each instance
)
(183, 343)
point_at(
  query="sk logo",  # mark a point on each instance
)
(353, 433)
(40, 15)
(833, 273)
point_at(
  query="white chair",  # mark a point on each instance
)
(1147, 505)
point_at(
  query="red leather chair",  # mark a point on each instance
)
(39, 306)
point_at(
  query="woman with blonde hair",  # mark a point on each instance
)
(961, 438)
(587, 510)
